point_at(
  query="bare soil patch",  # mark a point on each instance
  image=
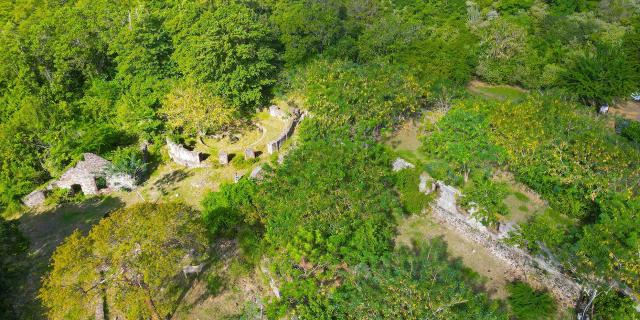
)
(627, 109)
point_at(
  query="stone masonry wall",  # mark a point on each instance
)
(181, 155)
(275, 145)
(534, 269)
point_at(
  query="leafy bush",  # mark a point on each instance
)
(488, 197)
(602, 76)
(413, 201)
(611, 305)
(631, 131)
(215, 284)
(529, 304)
(225, 209)
(462, 137)
(413, 283)
(128, 160)
(362, 98)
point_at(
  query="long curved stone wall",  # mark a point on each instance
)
(275, 145)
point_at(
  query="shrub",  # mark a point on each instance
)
(128, 160)
(223, 209)
(215, 284)
(489, 197)
(527, 303)
(632, 131)
(413, 201)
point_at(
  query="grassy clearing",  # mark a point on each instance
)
(226, 289)
(493, 272)
(497, 92)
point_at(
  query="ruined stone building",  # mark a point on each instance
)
(85, 176)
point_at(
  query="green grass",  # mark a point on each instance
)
(521, 196)
(523, 208)
(498, 92)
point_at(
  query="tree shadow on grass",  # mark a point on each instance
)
(167, 182)
(46, 230)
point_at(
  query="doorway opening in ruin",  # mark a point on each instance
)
(76, 188)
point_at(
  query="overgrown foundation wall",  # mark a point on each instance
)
(275, 145)
(533, 269)
(524, 266)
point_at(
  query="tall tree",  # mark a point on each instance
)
(231, 48)
(130, 262)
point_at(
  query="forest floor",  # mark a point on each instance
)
(46, 229)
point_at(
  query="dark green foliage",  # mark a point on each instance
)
(214, 284)
(529, 304)
(226, 209)
(413, 201)
(413, 283)
(13, 249)
(610, 305)
(631, 131)
(232, 49)
(602, 76)
(307, 27)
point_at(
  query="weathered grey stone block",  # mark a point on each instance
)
(249, 153)
(223, 158)
(34, 199)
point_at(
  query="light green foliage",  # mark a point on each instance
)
(529, 304)
(567, 156)
(413, 201)
(416, 283)
(130, 261)
(365, 99)
(230, 48)
(128, 160)
(488, 197)
(462, 138)
(193, 109)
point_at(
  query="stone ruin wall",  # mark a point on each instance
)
(534, 269)
(181, 155)
(275, 145)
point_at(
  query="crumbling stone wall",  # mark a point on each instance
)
(181, 155)
(275, 145)
(84, 174)
(34, 198)
(535, 269)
